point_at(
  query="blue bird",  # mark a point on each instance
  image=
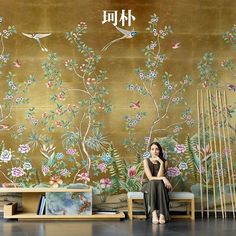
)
(126, 35)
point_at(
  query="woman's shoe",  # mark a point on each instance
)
(162, 219)
(154, 218)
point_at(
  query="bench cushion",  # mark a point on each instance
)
(172, 195)
(181, 195)
(135, 195)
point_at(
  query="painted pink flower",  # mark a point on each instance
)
(105, 183)
(58, 124)
(204, 151)
(69, 107)
(55, 181)
(44, 115)
(45, 170)
(132, 171)
(17, 172)
(173, 172)
(65, 172)
(24, 148)
(165, 97)
(49, 84)
(227, 152)
(201, 169)
(223, 63)
(185, 81)
(146, 140)
(61, 97)
(205, 84)
(180, 148)
(83, 176)
(102, 167)
(71, 151)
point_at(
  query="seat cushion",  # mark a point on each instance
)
(135, 195)
(172, 195)
(181, 195)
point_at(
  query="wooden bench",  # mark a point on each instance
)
(186, 197)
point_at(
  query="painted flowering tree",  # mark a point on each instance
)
(209, 71)
(186, 165)
(210, 74)
(83, 142)
(82, 137)
(15, 166)
(169, 94)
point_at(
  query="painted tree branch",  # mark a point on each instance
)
(155, 122)
(84, 147)
(178, 123)
(2, 45)
(81, 90)
(8, 178)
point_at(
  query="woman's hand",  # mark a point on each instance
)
(167, 183)
(158, 159)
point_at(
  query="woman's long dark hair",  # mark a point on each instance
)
(160, 150)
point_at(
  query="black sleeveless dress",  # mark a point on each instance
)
(157, 193)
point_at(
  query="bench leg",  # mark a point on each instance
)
(146, 205)
(130, 208)
(192, 209)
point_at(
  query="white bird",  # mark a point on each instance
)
(37, 37)
(126, 35)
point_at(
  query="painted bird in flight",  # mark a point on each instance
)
(16, 63)
(135, 105)
(176, 45)
(126, 35)
(37, 37)
(3, 126)
(231, 87)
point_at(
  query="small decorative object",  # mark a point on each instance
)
(69, 203)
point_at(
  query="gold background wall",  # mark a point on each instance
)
(197, 24)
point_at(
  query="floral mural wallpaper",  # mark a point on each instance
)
(82, 98)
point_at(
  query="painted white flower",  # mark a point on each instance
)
(183, 165)
(27, 165)
(24, 148)
(17, 172)
(6, 156)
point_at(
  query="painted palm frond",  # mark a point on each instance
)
(193, 161)
(131, 185)
(168, 143)
(35, 139)
(117, 165)
(70, 139)
(115, 184)
(1, 146)
(96, 142)
(138, 159)
(133, 174)
(51, 160)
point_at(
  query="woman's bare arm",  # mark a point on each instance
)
(161, 172)
(150, 177)
(148, 172)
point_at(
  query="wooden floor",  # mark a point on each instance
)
(176, 227)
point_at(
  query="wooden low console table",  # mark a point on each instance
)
(30, 202)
